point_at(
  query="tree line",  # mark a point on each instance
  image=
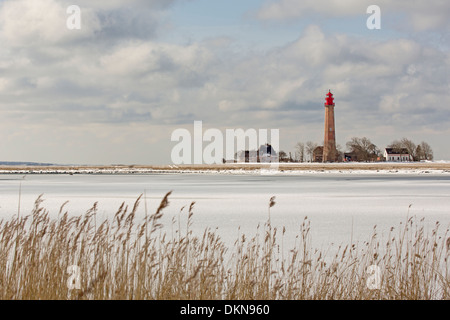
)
(363, 150)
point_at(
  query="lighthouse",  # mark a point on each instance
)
(329, 144)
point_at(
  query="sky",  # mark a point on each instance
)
(114, 91)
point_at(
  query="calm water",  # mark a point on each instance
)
(339, 206)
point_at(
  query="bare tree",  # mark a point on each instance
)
(427, 150)
(310, 146)
(424, 151)
(411, 147)
(300, 151)
(340, 153)
(364, 149)
(283, 156)
(396, 146)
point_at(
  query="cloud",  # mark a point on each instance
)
(115, 86)
(42, 22)
(161, 80)
(117, 4)
(420, 15)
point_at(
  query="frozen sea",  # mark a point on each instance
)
(340, 207)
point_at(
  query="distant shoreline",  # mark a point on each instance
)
(237, 168)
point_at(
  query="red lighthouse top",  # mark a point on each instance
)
(329, 101)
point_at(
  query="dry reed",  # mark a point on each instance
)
(123, 259)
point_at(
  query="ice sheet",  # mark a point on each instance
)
(340, 207)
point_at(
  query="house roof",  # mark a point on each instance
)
(396, 151)
(318, 149)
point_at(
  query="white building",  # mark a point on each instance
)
(397, 155)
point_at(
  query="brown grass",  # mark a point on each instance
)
(343, 167)
(122, 259)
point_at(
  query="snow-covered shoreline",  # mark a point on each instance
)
(240, 171)
(414, 168)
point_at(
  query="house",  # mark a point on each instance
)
(350, 156)
(397, 155)
(266, 153)
(355, 156)
(318, 154)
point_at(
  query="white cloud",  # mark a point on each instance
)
(421, 15)
(116, 88)
(117, 4)
(41, 22)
